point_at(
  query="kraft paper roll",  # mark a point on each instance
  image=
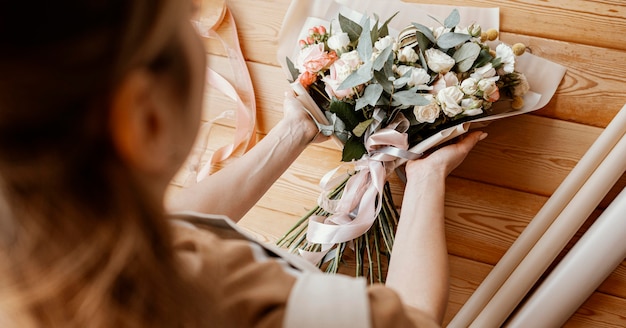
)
(544, 218)
(554, 239)
(599, 251)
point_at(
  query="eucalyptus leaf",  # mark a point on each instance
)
(410, 97)
(353, 29)
(353, 149)
(292, 70)
(466, 56)
(383, 31)
(425, 31)
(382, 58)
(364, 48)
(453, 19)
(370, 96)
(383, 81)
(451, 40)
(483, 58)
(362, 127)
(358, 77)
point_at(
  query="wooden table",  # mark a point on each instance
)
(506, 179)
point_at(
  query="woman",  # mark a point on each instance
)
(99, 106)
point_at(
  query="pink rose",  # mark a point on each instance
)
(314, 59)
(307, 78)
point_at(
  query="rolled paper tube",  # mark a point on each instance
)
(600, 250)
(554, 239)
(540, 223)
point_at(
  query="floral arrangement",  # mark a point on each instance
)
(382, 95)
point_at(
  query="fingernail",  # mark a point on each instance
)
(483, 136)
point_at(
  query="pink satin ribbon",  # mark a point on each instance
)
(361, 201)
(243, 94)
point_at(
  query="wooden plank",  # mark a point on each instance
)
(578, 21)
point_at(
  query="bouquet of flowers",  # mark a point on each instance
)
(382, 96)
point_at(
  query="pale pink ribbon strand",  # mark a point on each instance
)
(243, 95)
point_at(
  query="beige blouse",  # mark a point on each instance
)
(251, 284)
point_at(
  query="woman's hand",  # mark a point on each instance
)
(445, 159)
(298, 118)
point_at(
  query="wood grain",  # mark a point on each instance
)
(505, 180)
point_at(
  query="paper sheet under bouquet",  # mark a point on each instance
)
(356, 204)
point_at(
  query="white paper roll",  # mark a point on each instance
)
(544, 218)
(554, 239)
(600, 250)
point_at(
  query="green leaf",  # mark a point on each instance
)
(292, 69)
(410, 98)
(451, 40)
(483, 58)
(364, 47)
(346, 113)
(453, 19)
(352, 28)
(425, 31)
(358, 77)
(383, 81)
(362, 127)
(353, 149)
(466, 56)
(383, 31)
(370, 96)
(382, 58)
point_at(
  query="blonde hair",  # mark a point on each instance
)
(80, 244)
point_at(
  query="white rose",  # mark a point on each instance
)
(507, 57)
(402, 69)
(419, 78)
(438, 61)
(408, 55)
(472, 106)
(469, 86)
(338, 41)
(428, 113)
(449, 99)
(351, 58)
(383, 43)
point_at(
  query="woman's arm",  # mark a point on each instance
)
(418, 271)
(235, 189)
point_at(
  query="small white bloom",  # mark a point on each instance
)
(507, 57)
(351, 58)
(469, 86)
(428, 113)
(472, 106)
(483, 72)
(487, 86)
(408, 55)
(438, 61)
(383, 43)
(449, 99)
(419, 78)
(338, 41)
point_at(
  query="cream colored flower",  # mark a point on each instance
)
(385, 42)
(339, 41)
(469, 86)
(522, 86)
(438, 61)
(449, 99)
(408, 55)
(507, 57)
(472, 106)
(428, 113)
